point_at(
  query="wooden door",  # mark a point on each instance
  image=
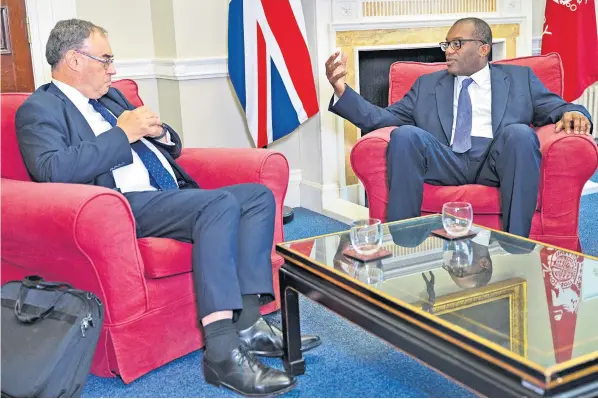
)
(17, 72)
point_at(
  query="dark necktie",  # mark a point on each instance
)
(159, 176)
(462, 139)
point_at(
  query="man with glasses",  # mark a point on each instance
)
(468, 124)
(78, 129)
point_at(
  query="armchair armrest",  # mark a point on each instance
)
(568, 161)
(368, 159)
(217, 167)
(81, 234)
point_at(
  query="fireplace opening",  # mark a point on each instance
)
(374, 66)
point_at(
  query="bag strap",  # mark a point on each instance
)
(36, 282)
(39, 283)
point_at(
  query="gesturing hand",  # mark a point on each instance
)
(336, 72)
(573, 122)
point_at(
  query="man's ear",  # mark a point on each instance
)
(72, 61)
(485, 50)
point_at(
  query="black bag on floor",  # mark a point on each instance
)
(49, 335)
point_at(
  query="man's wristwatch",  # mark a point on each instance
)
(164, 131)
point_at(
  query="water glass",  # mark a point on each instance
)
(457, 218)
(457, 255)
(366, 236)
(371, 273)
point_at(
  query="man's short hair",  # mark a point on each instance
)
(68, 35)
(481, 30)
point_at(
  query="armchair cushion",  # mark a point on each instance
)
(130, 90)
(163, 257)
(485, 200)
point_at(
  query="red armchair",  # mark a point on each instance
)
(85, 235)
(568, 161)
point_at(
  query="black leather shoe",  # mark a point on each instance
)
(265, 339)
(243, 373)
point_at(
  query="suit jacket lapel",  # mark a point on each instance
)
(445, 91)
(500, 93)
(112, 105)
(83, 129)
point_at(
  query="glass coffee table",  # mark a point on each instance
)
(502, 315)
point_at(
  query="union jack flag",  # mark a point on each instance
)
(270, 67)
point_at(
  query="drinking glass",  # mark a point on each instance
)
(457, 256)
(371, 273)
(457, 218)
(366, 236)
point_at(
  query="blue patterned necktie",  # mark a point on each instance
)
(462, 139)
(159, 176)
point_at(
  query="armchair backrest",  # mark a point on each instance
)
(403, 74)
(12, 164)
(129, 88)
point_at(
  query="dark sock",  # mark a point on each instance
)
(221, 338)
(250, 312)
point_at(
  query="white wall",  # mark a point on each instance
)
(201, 28)
(538, 7)
(129, 28)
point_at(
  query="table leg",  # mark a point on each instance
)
(289, 303)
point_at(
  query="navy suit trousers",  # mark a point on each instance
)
(510, 161)
(232, 230)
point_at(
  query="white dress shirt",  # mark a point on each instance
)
(129, 178)
(480, 92)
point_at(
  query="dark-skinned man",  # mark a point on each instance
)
(468, 124)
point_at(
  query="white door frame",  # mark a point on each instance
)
(43, 15)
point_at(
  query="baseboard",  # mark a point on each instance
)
(314, 196)
(293, 198)
(589, 188)
(345, 211)
(350, 193)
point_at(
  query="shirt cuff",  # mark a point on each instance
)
(335, 99)
(168, 141)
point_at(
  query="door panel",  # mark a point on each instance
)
(17, 72)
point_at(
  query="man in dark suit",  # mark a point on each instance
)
(78, 129)
(469, 124)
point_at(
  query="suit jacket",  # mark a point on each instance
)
(58, 145)
(518, 96)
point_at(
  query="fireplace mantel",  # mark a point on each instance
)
(328, 185)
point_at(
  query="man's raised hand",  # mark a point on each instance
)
(336, 72)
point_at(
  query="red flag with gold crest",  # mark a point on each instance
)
(570, 30)
(562, 280)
